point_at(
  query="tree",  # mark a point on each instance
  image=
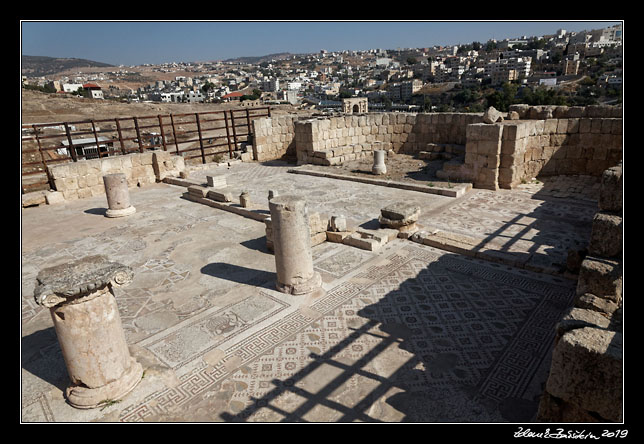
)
(503, 98)
(81, 92)
(207, 87)
(411, 61)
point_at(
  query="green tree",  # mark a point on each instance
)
(207, 87)
(503, 98)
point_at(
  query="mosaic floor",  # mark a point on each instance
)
(419, 335)
(408, 333)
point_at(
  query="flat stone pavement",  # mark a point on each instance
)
(409, 333)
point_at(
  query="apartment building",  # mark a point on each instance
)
(505, 70)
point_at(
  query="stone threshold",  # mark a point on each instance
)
(480, 249)
(254, 214)
(457, 190)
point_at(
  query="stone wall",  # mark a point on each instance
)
(565, 146)
(505, 154)
(565, 112)
(585, 383)
(274, 137)
(346, 135)
(82, 179)
(538, 141)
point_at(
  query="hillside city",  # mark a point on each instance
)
(566, 68)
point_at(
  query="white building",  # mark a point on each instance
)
(195, 96)
(71, 87)
(172, 97)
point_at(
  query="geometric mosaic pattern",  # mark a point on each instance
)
(515, 221)
(462, 325)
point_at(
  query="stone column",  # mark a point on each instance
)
(379, 166)
(81, 301)
(118, 195)
(292, 246)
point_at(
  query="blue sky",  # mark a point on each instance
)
(136, 42)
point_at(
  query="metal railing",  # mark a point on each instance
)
(203, 135)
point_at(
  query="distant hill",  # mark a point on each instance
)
(260, 59)
(36, 66)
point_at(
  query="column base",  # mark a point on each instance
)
(302, 288)
(120, 213)
(89, 398)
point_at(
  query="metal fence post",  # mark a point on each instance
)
(72, 151)
(98, 149)
(165, 148)
(42, 157)
(118, 129)
(203, 155)
(138, 133)
(230, 148)
(174, 133)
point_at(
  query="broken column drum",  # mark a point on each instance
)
(379, 166)
(244, 199)
(80, 297)
(292, 246)
(118, 195)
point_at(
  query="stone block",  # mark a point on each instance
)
(587, 370)
(338, 223)
(54, 197)
(401, 211)
(610, 193)
(216, 181)
(578, 318)
(591, 302)
(601, 277)
(337, 236)
(220, 196)
(84, 193)
(362, 241)
(70, 194)
(198, 191)
(317, 223)
(606, 235)
(491, 115)
(59, 171)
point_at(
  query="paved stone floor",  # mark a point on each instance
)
(407, 333)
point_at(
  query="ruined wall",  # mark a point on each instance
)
(544, 112)
(562, 146)
(82, 179)
(585, 383)
(438, 128)
(538, 140)
(337, 138)
(504, 154)
(274, 137)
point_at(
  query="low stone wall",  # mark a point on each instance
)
(274, 137)
(544, 112)
(82, 179)
(585, 383)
